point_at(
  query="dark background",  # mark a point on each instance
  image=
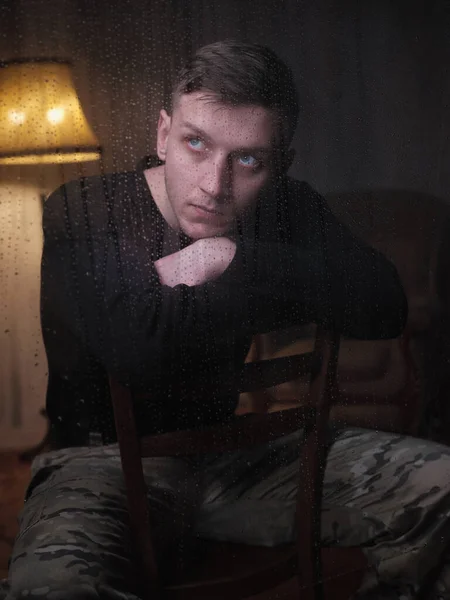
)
(372, 75)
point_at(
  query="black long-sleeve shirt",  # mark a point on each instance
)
(104, 310)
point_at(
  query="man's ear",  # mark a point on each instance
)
(164, 124)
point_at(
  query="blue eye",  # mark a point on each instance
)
(195, 144)
(248, 161)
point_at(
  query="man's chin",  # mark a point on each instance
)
(199, 231)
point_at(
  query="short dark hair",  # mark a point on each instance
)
(242, 73)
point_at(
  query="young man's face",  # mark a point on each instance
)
(218, 160)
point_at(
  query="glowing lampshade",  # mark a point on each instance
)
(41, 119)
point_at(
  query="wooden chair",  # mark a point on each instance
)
(237, 570)
(379, 382)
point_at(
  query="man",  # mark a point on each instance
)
(161, 278)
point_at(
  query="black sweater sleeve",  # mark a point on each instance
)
(135, 327)
(321, 273)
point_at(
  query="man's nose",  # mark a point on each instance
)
(216, 179)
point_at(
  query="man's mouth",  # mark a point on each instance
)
(208, 210)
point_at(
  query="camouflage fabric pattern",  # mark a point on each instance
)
(388, 493)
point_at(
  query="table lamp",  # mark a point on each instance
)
(41, 118)
(41, 123)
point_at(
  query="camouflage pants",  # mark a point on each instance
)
(386, 492)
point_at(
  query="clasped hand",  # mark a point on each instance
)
(202, 261)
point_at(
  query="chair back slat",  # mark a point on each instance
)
(242, 432)
(268, 373)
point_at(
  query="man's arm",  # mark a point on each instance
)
(365, 287)
(133, 325)
(321, 273)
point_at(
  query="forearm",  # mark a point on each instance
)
(346, 285)
(138, 331)
(323, 273)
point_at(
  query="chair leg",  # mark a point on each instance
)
(309, 522)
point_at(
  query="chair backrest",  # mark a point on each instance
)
(242, 432)
(320, 364)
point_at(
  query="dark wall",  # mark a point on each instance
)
(373, 76)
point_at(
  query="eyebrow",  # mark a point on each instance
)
(205, 136)
(196, 130)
